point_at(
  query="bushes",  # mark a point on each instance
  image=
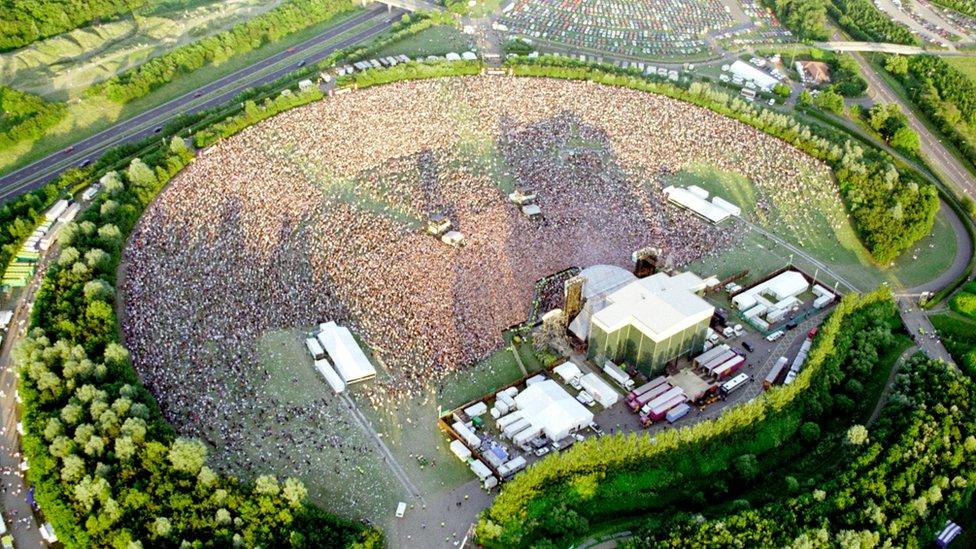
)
(890, 209)
(962, 6)
(414, 71)
(253, 114)
(619, 476)
(25, 116)
(287, 18)
(805, 18)
(964, 303)
(107, 468)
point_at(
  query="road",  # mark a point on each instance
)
(214, 94)
(939, 158)
(13, 498)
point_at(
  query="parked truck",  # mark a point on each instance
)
(678, 412)
(660, 409)
(618, 375)
(774, 374)
(728, 368)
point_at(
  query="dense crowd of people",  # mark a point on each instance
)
(320, 214)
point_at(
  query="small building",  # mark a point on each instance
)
(600, 390)
(532, 211)
(814, 73)
(748, 73)
(783, 286)
(698, 204)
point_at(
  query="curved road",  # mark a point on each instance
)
(211, 95)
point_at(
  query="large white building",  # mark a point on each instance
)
(646, 322)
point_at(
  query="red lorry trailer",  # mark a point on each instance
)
(649, 396)
(657, 413)
(631, 396)
(728, 368)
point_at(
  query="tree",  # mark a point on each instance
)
(906, 140)
(857, 435)
(187, 455)
(140, 174)
(896, 65)
(782, 90)
(829, 100)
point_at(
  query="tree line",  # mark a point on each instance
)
(962, 6)
(107, 468)
(807, 19)
(290, 17)
(25, 21)
(25, 116)
(784, 442)
(943, 93)
(890, 209)
(863, 21)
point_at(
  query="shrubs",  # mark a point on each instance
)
(964, 303)
(944, 94)
(899, 481)
(863, 21)
(24, 21)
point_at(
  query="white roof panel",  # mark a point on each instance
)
(349, 359)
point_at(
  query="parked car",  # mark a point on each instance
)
(542, 451)
(747, 346)
(596, 428)
(579, 437)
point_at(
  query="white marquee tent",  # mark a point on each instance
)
(348, 358)
(549, 408)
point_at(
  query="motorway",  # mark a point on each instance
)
(211, 95)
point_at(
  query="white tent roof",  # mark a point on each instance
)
(567, 370)
(548, 406)
(345, 353)
(687, 199)
(599, 280)
(746, 71)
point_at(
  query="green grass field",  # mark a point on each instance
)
(437, 40)
(965, 65)
(819, 228)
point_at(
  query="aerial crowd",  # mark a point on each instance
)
(320, 214)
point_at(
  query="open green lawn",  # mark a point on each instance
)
(89, 115)
(820, 228)
(966, 65)
(437, 40)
